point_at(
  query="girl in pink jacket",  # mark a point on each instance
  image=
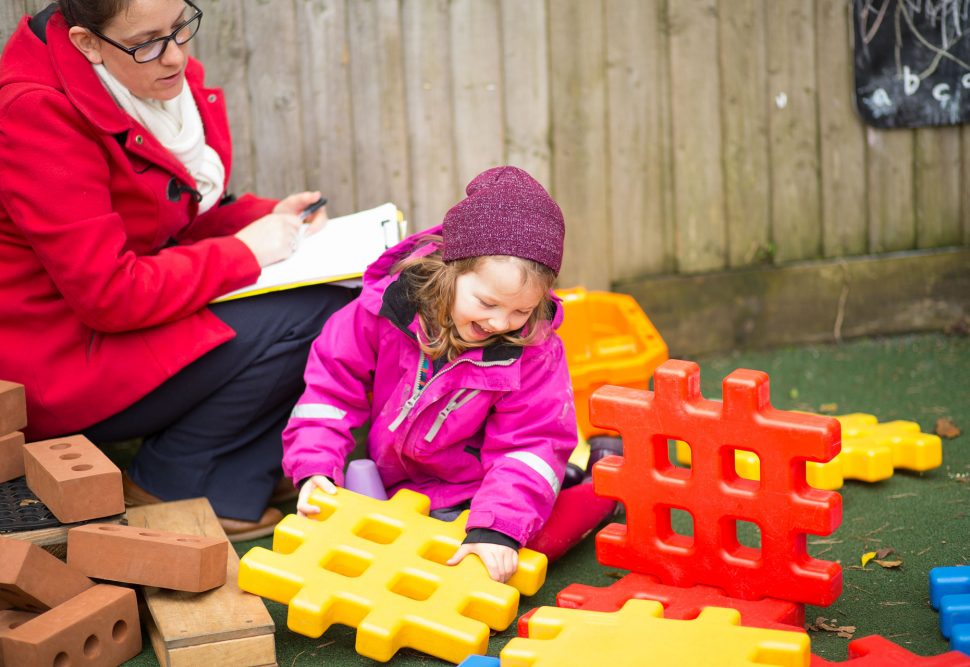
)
(450, 353)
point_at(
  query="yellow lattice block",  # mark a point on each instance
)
(638, 635)
(909, 448)
(379, 566)
(870, 453)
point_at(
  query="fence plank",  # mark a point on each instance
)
(892, 212)
(328, 131)
(938, 187)
(274, 83)
(965, 182)
(476, 71)
(842, 138)
(525, 71)
(10, 13)
(222, 49)
(793, 127)
(698, 188)
(579, 163)
(379, 114)
(636, 56)
(427, 72)
(744, 115)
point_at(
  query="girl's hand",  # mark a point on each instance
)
(303, 506)
(271, 238)
(500, 561)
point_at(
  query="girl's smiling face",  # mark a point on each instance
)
(496, 298)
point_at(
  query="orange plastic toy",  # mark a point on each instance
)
(781, 505)
(608, 340)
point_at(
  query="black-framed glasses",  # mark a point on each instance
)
(154, 48)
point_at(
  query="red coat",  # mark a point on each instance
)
(104, 279)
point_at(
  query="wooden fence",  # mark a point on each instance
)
(679, 136)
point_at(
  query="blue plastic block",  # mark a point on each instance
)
(479, 661)
(952, 580)
(954, 611)
(960, 639)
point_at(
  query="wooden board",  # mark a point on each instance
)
(190, 630)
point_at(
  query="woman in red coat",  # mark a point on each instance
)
(116, 232)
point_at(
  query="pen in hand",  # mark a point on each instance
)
(306, 213)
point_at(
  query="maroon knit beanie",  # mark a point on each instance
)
(506, 212)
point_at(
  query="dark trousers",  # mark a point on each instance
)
(215, 428)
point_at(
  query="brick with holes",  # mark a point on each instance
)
(31, 579)
(73, 478)
(134, 555)
(723, 506)
(11, 456)
(97, 628)
(13, 407)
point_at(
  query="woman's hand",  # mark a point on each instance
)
(272, 238)
(303, 506)
(500, 561)
(297, 202)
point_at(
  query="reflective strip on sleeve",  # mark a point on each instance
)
(317, 411)
(540, 466)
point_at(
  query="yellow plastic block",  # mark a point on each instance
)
(379, 566)
(608, 340)
(870, 453)
(909, 448)
(638, 635)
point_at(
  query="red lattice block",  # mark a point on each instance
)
(781, 504)
(682, 603)
(877, 651)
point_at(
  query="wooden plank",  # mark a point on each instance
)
(842, 138)
(274, 83)
(476, 74)
(427, 76)
(770, 306)
(890, 187)
(218, 616)
(229, 652)
(744, 118)
(579, 163)
(938, 187)
(698, 188)
(793, 127)
(328, 132)
(636, 57)
(10, 13)
(379, 112)
(525, 70)
(222, 50)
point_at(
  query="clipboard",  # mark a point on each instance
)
(339, 253)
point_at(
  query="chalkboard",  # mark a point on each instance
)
(912, 62)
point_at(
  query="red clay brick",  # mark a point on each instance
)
(149, 557)
(34, 580)
(13, 407)
(73, 478)
(98, 628)
(11, 456)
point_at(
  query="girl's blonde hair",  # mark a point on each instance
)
(430, 283)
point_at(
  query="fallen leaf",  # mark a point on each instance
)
(882, 553)
(821, 623)
(868, 556)
(945, 428)
(828, 407)
(28, 501)
(889, 563)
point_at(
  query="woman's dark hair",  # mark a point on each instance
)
(91, 14)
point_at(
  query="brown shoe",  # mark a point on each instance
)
(238, 530)
(284, 491)
(134, 494)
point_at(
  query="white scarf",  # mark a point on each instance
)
(177, 125)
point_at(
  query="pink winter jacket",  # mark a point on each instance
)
(496, 425)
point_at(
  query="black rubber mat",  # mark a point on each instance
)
(20, 510)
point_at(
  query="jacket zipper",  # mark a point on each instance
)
(456, 402)
(416, 394)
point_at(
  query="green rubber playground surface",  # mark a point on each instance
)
(924, 518)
